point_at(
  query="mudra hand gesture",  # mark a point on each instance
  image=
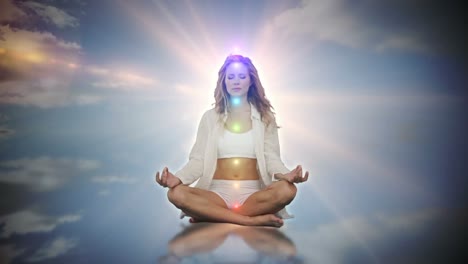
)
(167, 179)
(295, 176)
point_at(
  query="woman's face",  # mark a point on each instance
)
(237, 79)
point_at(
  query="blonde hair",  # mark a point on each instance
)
(255, 95)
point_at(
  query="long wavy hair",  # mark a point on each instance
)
(255, 95)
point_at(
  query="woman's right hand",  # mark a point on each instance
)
(167, 179)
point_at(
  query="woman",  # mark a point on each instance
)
(236, 157)
(228, 243)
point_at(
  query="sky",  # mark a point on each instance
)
(97, 96)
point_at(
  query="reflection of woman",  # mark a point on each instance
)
(236, 157)
(220, 243)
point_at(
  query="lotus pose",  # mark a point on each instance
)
(236, 157)
(227, 243)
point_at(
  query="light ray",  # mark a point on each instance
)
(345, 151)
(202, 29)
(162, 33)
(181, 32)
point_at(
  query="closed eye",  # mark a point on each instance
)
(231, 76)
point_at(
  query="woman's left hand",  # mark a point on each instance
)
(295, 176)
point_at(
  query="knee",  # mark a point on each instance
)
(177, 196)
(286, 192)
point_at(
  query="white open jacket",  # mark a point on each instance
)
(203, 156)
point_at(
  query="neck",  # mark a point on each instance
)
(239, 104)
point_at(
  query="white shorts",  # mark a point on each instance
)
(234, 192)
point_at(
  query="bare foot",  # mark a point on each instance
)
(194, 220)
(267, 220)
(198, 220)
(260, 220)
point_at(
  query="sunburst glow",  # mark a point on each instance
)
(99, 96)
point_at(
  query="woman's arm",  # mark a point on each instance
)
(193, 170)
(274, 164)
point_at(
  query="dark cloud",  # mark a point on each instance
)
(10, 12)
(52, 15)
(39, 16)
(6, 132)
(408, 26)
(438, 24)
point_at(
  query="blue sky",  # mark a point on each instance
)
(96, 96)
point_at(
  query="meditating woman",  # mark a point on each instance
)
(236, 157)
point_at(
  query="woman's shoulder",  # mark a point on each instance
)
(210, 114)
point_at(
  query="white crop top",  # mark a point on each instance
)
(238, 145)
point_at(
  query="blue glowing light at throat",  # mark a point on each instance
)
(235, 100)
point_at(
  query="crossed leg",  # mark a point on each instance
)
(258, 209)
(269, 200)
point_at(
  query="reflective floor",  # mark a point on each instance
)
(225, 243)
(356, 240)
(135, 223)
(96, 201)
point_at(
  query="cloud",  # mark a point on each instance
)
(45, 93)
(3, 118)
(189, 90)
(28, 221)
(5, 132)
(122, 80)
(36, 68)
(412, 26)
(8, 252)
(87, 99)
(28, 54)
(52, 15)
(87, 164)
(409, 221)
(322, 20)
(10, 12)
(113, 179)
(59, 246)
(44, 173)
(402, 43)
(104, 192)
(39, 69)
(37, 16)
(370, 234)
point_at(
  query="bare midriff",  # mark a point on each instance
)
(236, 169)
